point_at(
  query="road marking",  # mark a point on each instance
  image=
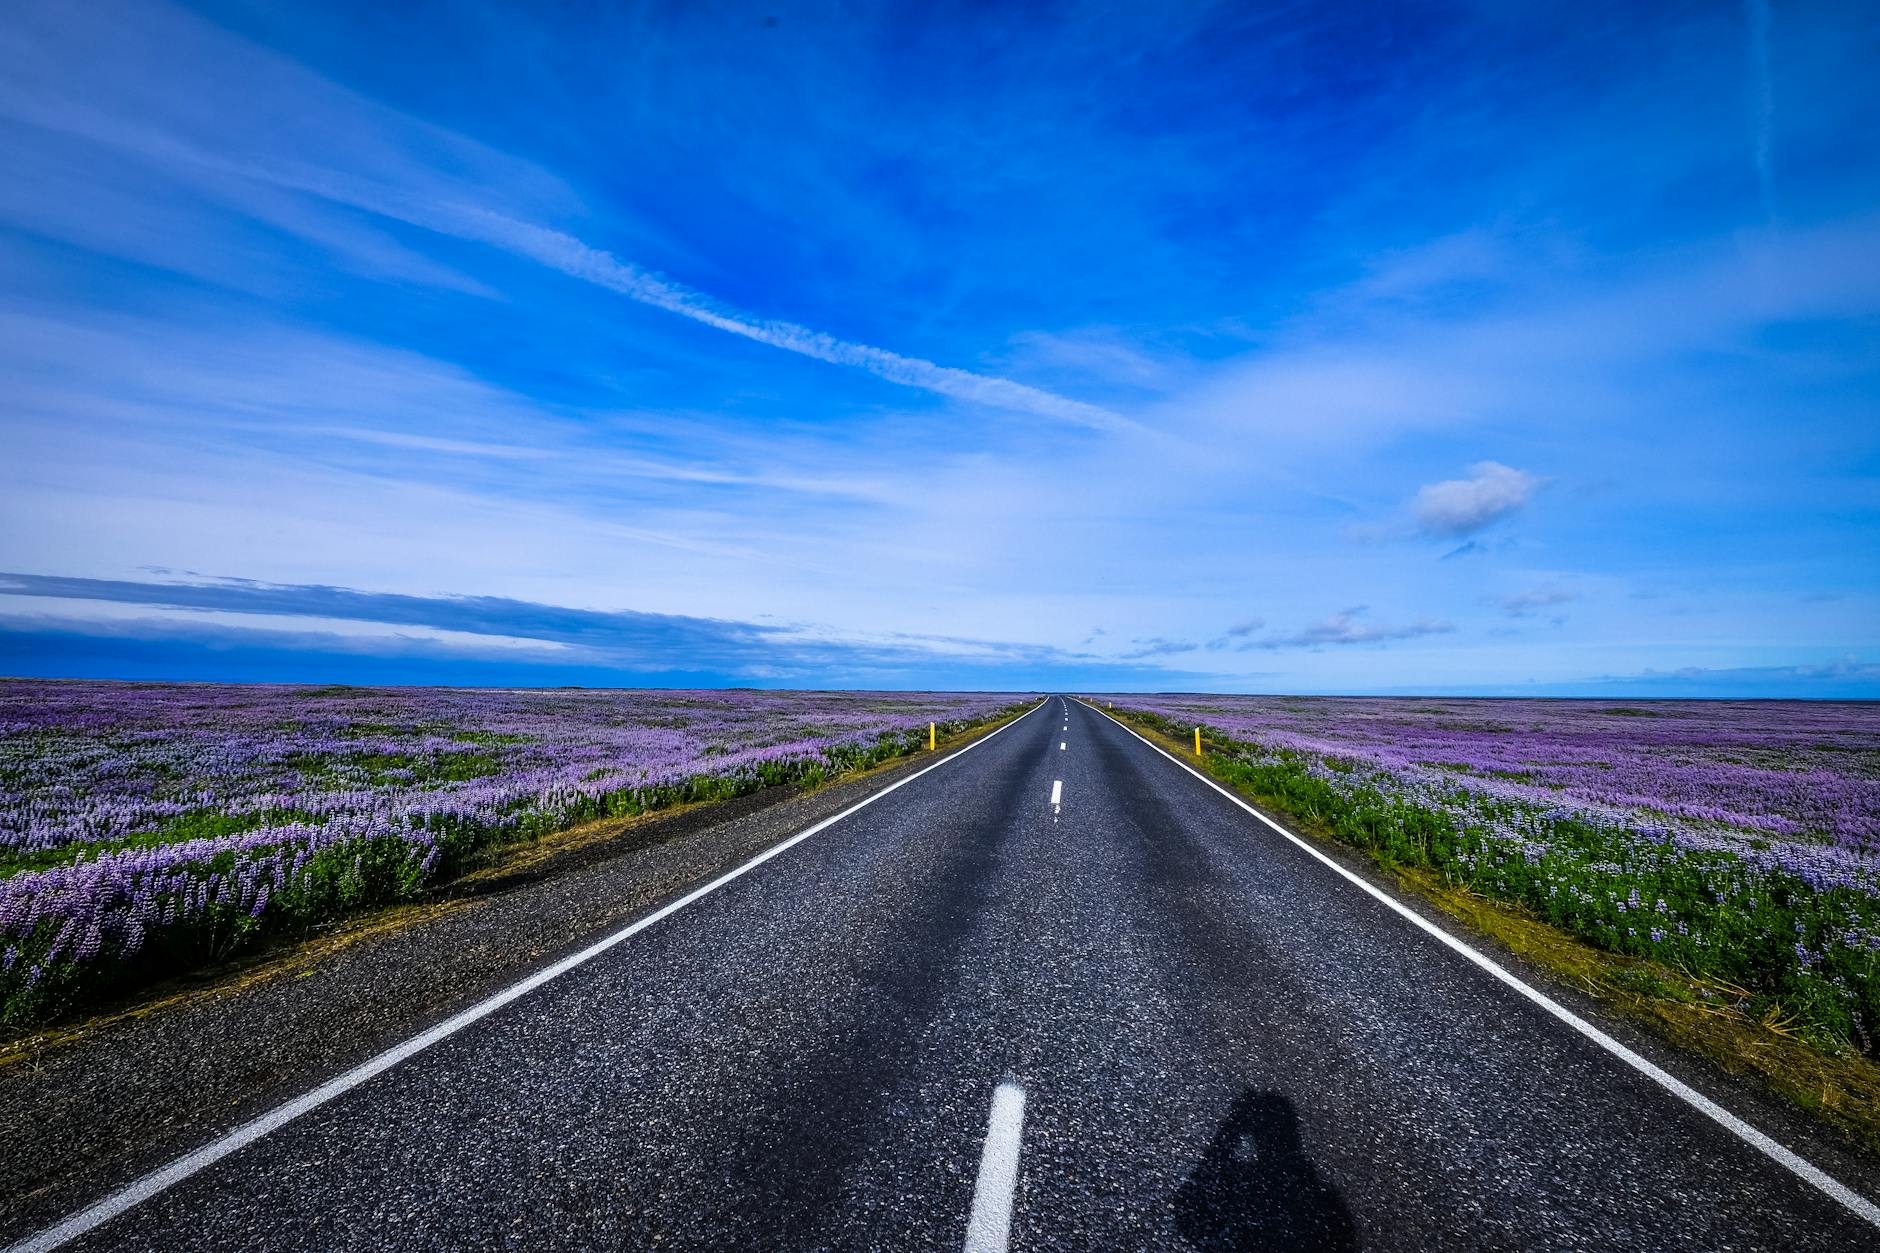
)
(1783, 1156)
(989, 1228)
(1060, 746)
(1057, 790)
(140, 1190)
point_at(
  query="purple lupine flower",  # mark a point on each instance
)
(252, 785)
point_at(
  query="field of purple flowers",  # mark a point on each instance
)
(149, 828)
(1739, 842)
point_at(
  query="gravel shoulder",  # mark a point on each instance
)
(93, 1104)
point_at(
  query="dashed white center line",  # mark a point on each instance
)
(162, 1179)
(1060, 746)
(1057, 791)
(989, 1229)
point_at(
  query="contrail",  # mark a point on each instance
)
(577, 259)
(153, 133)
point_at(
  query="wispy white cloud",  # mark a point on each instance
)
(389, 166)
(580, 260)
(83, 616)
(1345, 628)
(1530, 601)
(248, 613)
(329, 398)
(1476, 256)
(1238, 637)
(1106, 355)
(1156, 646)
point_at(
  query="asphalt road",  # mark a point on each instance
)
(965, 1015)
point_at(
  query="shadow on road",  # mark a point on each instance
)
(1255, 1191)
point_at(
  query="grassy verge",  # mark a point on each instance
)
(212, 922)
(1741, 1029)
(281, 959)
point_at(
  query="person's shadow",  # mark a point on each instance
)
(1255, 1191)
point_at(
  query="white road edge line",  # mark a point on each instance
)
(1778, 1153)
(989, 1227)
(163, 1178)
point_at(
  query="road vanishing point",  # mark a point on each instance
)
(1055, 990)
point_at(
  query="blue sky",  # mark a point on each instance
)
(1320, 348)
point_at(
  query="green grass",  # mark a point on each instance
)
(197, 824)
(343, 879)
(1741, 923)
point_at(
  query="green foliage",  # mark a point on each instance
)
(1808, 957)
(207, 824)
(345, 878)
(208, 904)
(196, 824)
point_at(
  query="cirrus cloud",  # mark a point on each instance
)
(1344, 628)
(1530, 601)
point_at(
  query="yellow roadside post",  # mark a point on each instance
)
(1197, 741)
(930, 738)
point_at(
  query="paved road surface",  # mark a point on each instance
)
(964, 1016)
